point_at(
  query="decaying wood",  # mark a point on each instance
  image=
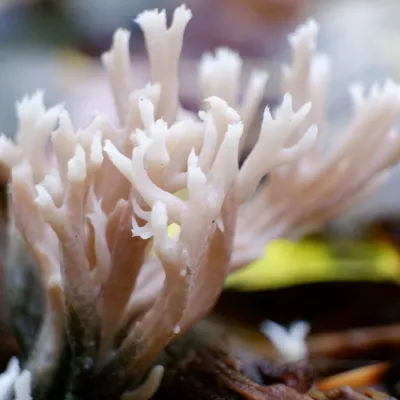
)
(202, 365)
(356, 342)
(347, 393)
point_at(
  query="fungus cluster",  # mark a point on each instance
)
(94, 205)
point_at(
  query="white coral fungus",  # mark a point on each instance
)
(291, 343)
(95, 210)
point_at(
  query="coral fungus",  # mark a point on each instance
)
(93, 205)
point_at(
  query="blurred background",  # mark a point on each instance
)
(55, 45)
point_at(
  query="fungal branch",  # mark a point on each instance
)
(96, 208)
(317, 183)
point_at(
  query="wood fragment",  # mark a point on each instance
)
(356, 378)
